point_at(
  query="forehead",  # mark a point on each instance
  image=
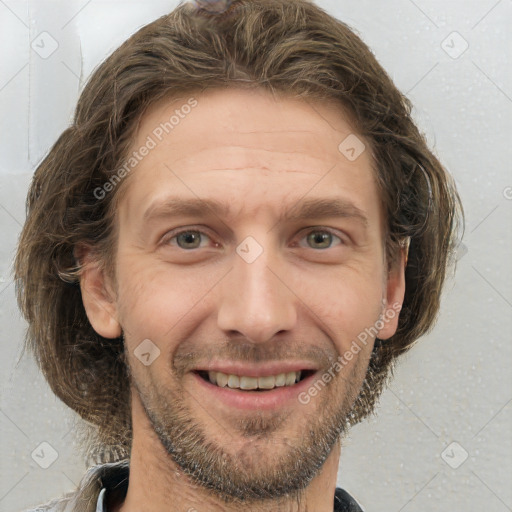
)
(249, 118)
(267, 147)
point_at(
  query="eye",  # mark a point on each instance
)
(186, 239)
(190, 239)
(322, 238)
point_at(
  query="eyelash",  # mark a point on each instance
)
(174, 234)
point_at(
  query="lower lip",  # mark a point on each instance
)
(255, 400)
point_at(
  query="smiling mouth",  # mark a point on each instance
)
(248, 383)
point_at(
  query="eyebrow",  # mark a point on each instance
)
(307, 209)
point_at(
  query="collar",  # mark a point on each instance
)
(100, 505)
(91, 493)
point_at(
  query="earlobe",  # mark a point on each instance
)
(395, 291)
(98, 297)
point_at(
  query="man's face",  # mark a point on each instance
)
(262, 289)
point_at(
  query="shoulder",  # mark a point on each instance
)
(343, 502)
(55, 505)
(85, 496)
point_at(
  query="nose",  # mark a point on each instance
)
(256, 301)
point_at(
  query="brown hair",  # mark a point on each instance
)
(292, 47)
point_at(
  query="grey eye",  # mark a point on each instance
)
(189, 239)
(324, 238)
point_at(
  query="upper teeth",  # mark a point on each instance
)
(242, 382)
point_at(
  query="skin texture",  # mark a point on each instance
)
(303, 298)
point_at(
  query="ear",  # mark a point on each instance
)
(394, 296)
(98, 296)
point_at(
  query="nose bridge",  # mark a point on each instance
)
(254, 300)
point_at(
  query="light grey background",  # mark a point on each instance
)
(454, 386)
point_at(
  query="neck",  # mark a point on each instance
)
(156, 480)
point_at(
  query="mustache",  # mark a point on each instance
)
(190, 354)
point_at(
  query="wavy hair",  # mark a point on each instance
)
(291, 47)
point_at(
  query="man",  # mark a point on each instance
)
(225, 253)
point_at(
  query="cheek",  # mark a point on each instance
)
(156, 299)
(349, 304)
(160, 301)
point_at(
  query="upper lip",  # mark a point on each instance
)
(257, 370)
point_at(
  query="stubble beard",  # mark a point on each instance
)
(270, 465)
